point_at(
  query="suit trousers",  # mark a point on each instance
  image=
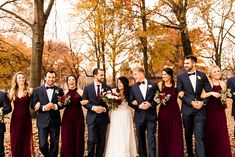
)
(52, 150)
(96, 139)
(194, 123)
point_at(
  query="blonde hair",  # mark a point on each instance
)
(138, 68)
(15, 87)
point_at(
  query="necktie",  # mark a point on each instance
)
(49, 87)
(189, 74)
(98, 92)
(139, 83)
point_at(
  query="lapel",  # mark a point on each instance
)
(55, 94)
(197, 80)
(138, 92)
(148, 90)
(93, 92)
(188, 82)
(45, 92)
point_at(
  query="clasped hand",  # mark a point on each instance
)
(98, 109)
(197, 104)
(49, 106)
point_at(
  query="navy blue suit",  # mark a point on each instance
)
(96, 123)
(145, 119)
(193, 119)
(6, 108)
(48, 122)
(231, 85)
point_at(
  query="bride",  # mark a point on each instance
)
(121, 138)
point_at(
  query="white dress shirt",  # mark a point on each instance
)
(143, 88)
(193, 80)
(49, 95)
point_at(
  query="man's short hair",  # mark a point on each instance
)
(139, 69)
(193, 58)
(51, 72)
(95, 71)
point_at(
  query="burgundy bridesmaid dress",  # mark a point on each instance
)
(217, 142)
(170, 134)
(21, 128)
(72, 128)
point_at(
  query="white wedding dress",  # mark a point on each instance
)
(121, 137)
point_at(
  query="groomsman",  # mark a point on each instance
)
(97, 116)
(145, 117)
(5, 108)
(45, 102)
(190, 84)
(231, 85)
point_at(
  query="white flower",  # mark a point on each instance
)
(56, 91)
(150, 86)
(199, 77)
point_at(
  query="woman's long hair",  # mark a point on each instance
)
(15, 87)
(169, 71)
(125, 83)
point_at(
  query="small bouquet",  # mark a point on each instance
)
(64, 100)
(111, 98)
(225, 94)
(161, 98)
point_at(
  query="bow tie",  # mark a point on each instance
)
(189, 74)
(51, 87)
(139, 83)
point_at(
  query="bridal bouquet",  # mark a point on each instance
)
(225, 94)
(64, 100)
(111, 98)
(161, 98)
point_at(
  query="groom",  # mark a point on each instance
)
(191, 83)
(97, 116)
(145, 117)
(45, 102)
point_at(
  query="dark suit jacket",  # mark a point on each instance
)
(184, 84)
(44, 118)
(231, 85)
(135, 94)
(6, 108)
(90, 94)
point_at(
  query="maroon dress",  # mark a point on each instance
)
(21, 128)
(216, 132)
(170, 135)
(72, 128)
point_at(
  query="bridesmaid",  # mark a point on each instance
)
(72, 127)
(21, 124)
(170, 135)
(217, 142)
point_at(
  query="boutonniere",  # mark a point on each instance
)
(199, 77)
(56, 92)
(150, 86)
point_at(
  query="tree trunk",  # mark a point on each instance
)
(144, 38)
(37, 44)
(186, 41)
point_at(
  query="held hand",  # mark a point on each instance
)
(37, 106)
(47, 107)
(197, 104)
(134, 102)
(216, 94)
(52, 106)
(144, 106)
(101, 109)
(84, 102)
(181, 94)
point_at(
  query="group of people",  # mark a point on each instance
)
(111, 132)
